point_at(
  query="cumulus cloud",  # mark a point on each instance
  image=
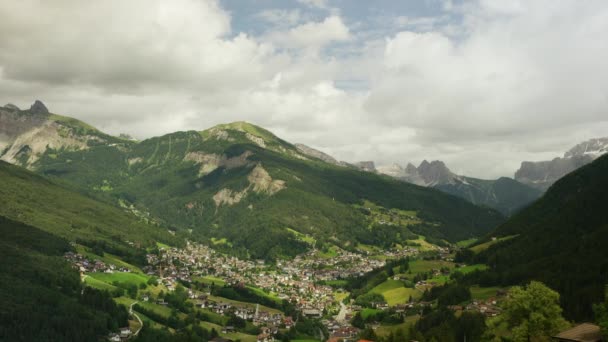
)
(480, 84)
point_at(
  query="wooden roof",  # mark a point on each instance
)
(585, 332)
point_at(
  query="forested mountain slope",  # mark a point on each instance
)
(560, 240)
(246, 190)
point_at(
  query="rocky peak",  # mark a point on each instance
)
(435, 172)
(368, 166)
(38, 108)
(593, 148)
(394, 170)
(411, 169)
(11, 107)
(311, 152)
(543, 174)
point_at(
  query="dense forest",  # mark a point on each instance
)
(559, 240)
(41, 297)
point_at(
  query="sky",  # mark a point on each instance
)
(482, 85)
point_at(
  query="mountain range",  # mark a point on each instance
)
(236, 186)
(504, 194)
(543, 174)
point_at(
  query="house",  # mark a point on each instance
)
(311, 312)
(114, 338)
(265, 338)
(125, 332)
(585, 332)
(228, 329)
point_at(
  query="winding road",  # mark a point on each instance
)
(141, 324)
(342, 314)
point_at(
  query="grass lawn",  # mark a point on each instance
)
(162, 245)
(303, 237)
(483, 293)
(147, 319)
(486, 245)
(424, 245)
(369, 312)
(421, 266)
(249, 305)
(339, 296)
(385, 330)
(332, 252)
(210, 280)
(395, 293)
(466, 243)
(261, 293)
(126, 301)
(121, 277)
(98, 284)
(241, 337)
(158, 309)
(472, 268)
(213, 317)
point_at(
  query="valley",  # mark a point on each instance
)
(234, 234)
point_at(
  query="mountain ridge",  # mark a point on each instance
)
(241, 184)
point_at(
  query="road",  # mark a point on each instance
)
(342, 314)
(141, 324)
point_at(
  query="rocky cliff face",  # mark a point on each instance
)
(504, 194)
(14, 122)
(26, 135)
(311, 152)
(543, 174)
(427, 174)
(367, 166)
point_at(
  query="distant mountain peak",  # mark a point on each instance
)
(543, 174)
(11, 106)
(311, 152)
(38, 108)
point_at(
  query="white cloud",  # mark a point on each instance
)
(523, 81)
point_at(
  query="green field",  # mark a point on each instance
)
(243, 304)
(385, 330)
(261, 293)
(466, 243)
(421, 266)
(121, 277)
(369, 312)
(424, 245)
(303, 237)
(395, 293)
(486, 245)
(210, 280)
(158, 309)
(472, 268)
(483, 293)
(98, 284)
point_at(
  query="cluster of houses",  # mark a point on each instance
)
(295, 280)
(85, 265)
(122, 335)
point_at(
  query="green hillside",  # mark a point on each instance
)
(504, 194)
(34, 200)
(559, 240)
(240, 184)
(41, 297)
